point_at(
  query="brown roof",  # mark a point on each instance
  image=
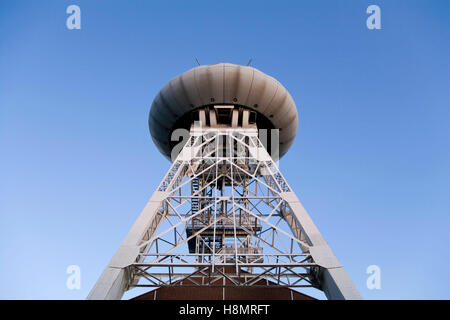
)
(225, 290)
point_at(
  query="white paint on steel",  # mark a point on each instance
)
(267, 201)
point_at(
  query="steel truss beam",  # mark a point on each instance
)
(224, 211)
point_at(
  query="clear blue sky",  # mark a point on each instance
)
(371, 162)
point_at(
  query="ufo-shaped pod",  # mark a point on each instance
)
(222, 83)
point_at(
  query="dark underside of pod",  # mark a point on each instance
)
(223, 117)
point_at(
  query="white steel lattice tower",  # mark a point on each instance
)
(224, 211)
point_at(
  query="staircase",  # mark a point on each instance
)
(194, 201)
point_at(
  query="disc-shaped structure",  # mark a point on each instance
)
(223, 84)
